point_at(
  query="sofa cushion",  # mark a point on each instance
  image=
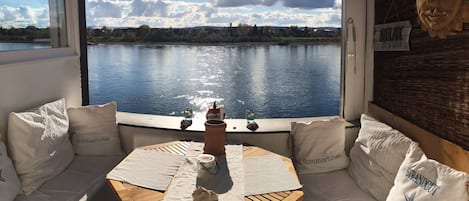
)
(94, 130)
(332, 186)
(318, 146)
(376, 156)
(420, 178)
(80, 181)
(9, 182)
(39, 144)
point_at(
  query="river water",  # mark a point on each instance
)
(275, 81)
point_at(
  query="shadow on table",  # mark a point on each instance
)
(221, 182)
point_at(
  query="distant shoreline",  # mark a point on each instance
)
(217, 44)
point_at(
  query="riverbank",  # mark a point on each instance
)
(219, 44)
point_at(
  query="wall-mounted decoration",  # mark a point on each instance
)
(442, 18)
(392, 36)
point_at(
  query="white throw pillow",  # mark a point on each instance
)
(376, 156)
(423, 179)
(94, 130)
(318, 146)
(39, 144)
(9, 182)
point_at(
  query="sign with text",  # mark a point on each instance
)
(392, 36)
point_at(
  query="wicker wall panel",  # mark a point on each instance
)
(428, 85)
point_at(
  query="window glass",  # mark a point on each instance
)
(32, 24)
(277, 58)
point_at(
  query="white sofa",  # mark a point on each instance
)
(80, 181)
(57, 158)
(328, 181)
(385, 165)
(332, 186)
(85, 175)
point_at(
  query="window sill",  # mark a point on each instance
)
(233, 125)
(24, 56)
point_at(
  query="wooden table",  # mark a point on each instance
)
(129, 192)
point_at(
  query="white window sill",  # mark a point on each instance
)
(233, 125)
(23, 56)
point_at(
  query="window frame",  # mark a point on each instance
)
(73, 49)
(145, 120)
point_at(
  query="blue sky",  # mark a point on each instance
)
(182, 13)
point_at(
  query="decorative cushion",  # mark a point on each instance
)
(319, 146)
(376, 156)
(39, 144)
(9, 182)
(82, 179)
(332, 186)
(94, 130)
(420, 178)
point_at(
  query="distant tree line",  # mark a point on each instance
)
(27, 34)
(207, 34)
(240, 33)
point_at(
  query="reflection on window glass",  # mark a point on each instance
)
(32, 24)
(278, 58)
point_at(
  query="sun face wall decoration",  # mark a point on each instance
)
(442, 18)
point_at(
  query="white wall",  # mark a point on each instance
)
(133, 137)
(29, 84)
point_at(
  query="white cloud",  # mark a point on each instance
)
(237, 3)
(308, 4)
(326, 19)
(338, 4)
(305, 4)
(101, 8)
(149, 8)
(9, 14)
(23, 16)
(166, 13)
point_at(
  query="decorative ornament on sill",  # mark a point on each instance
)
(250, 117)
(216, 112)
(442, 18)
(187, 121)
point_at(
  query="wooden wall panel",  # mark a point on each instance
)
(428, 85)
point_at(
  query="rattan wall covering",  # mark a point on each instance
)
(429, 85)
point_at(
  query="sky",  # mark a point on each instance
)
(182, 13)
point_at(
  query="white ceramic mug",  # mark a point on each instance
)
(206, 165)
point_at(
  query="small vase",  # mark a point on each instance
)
(214, 138)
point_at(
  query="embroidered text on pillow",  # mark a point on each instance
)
(409, 198)
(422, 181)
(101, 139)
(322, 160)
(1, 177)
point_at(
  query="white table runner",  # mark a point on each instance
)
(267, 174)
(238, 176)
(228, 183)
(147, 168)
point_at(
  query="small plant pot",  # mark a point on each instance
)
(214, 137)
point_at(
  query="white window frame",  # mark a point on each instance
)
(73, 49)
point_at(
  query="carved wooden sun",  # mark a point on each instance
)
(442, 18)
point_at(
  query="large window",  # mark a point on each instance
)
(38, 24)
(279, 58)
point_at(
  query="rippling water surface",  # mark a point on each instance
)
(274, 81)
(22, 46)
